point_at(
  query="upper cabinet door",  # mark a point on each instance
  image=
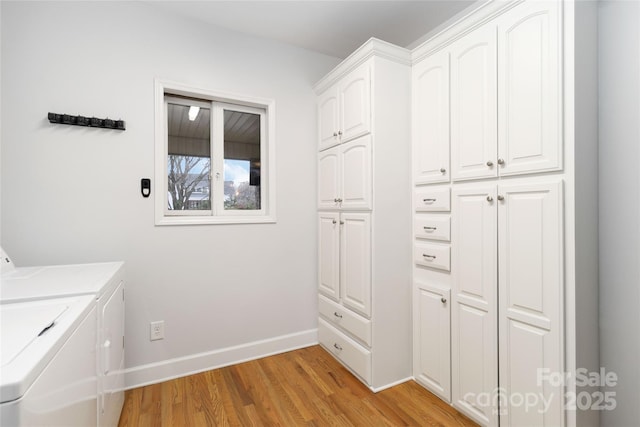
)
(355, 191)
(431, 119)
(355, 103)
(329, 179)
(473, 105)
(529, 113)
(328, 125)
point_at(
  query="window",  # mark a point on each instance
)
(214, 157)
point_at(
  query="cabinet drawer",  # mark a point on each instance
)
(432, 227)
(352, 354)
(432, 200)
(344, 318)
(432, 255)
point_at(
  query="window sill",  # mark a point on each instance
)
(213, 220)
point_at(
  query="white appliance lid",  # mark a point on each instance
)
(31, 283)
(24, 358)
(20, 325)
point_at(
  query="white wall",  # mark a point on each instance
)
(71, 194)
(619, 134)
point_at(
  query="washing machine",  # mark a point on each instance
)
(103, 283)
(48, 362)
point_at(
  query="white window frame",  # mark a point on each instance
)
(217, 214)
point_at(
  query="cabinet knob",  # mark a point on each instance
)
(335, 134)
(341, 222)
(334, 222)
(338, 315)
(340, 133)
(443, 299)
(443, 170)
(500, 197)
(339, 200)
(489, 163)
(489, 199)
(337, 346)
(501, 161)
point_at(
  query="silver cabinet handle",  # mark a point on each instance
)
(429, 256)
(443, 300)
(501, 198)
(337, 346)
(338, 315)
(430, 228)
(334, 222)
(489, 199)
(501, 161)
(429, 200)
(489, 163)
(442, 170)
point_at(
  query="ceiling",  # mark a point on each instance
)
(334, 28)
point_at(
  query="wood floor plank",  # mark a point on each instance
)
(305, 387)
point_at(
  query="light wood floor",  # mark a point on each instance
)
(305, 387)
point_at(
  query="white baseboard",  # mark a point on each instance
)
(393, 384)
(154, 373)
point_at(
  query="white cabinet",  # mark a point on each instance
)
(529, 103)
(474, 302)
(344, 110)
(530, 278)
(345, 259)
(344, 176)
(432, 358)
(523, 279)
(505, 95)
(517, 228)
(431, 119)
(355, 261)
(365, 289)
(473, 105)
(329, 254)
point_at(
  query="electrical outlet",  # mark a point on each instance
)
(157, 330)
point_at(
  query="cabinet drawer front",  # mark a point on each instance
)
(432, 227)
(432, 200)
(432, 255)
(344, 318)
(352, 354)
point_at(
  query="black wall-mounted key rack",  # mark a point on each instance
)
(94, 122)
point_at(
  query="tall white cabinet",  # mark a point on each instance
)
(496, 301)
(364, 275)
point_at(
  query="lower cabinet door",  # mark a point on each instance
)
(474, 314)
(432, 339)
(329, 254)
(531, 301)
(350, 353)
(355, 261)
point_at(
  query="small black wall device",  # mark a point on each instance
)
(145, 187)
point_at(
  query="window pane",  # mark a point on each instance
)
(189, 158)
(242, 167)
